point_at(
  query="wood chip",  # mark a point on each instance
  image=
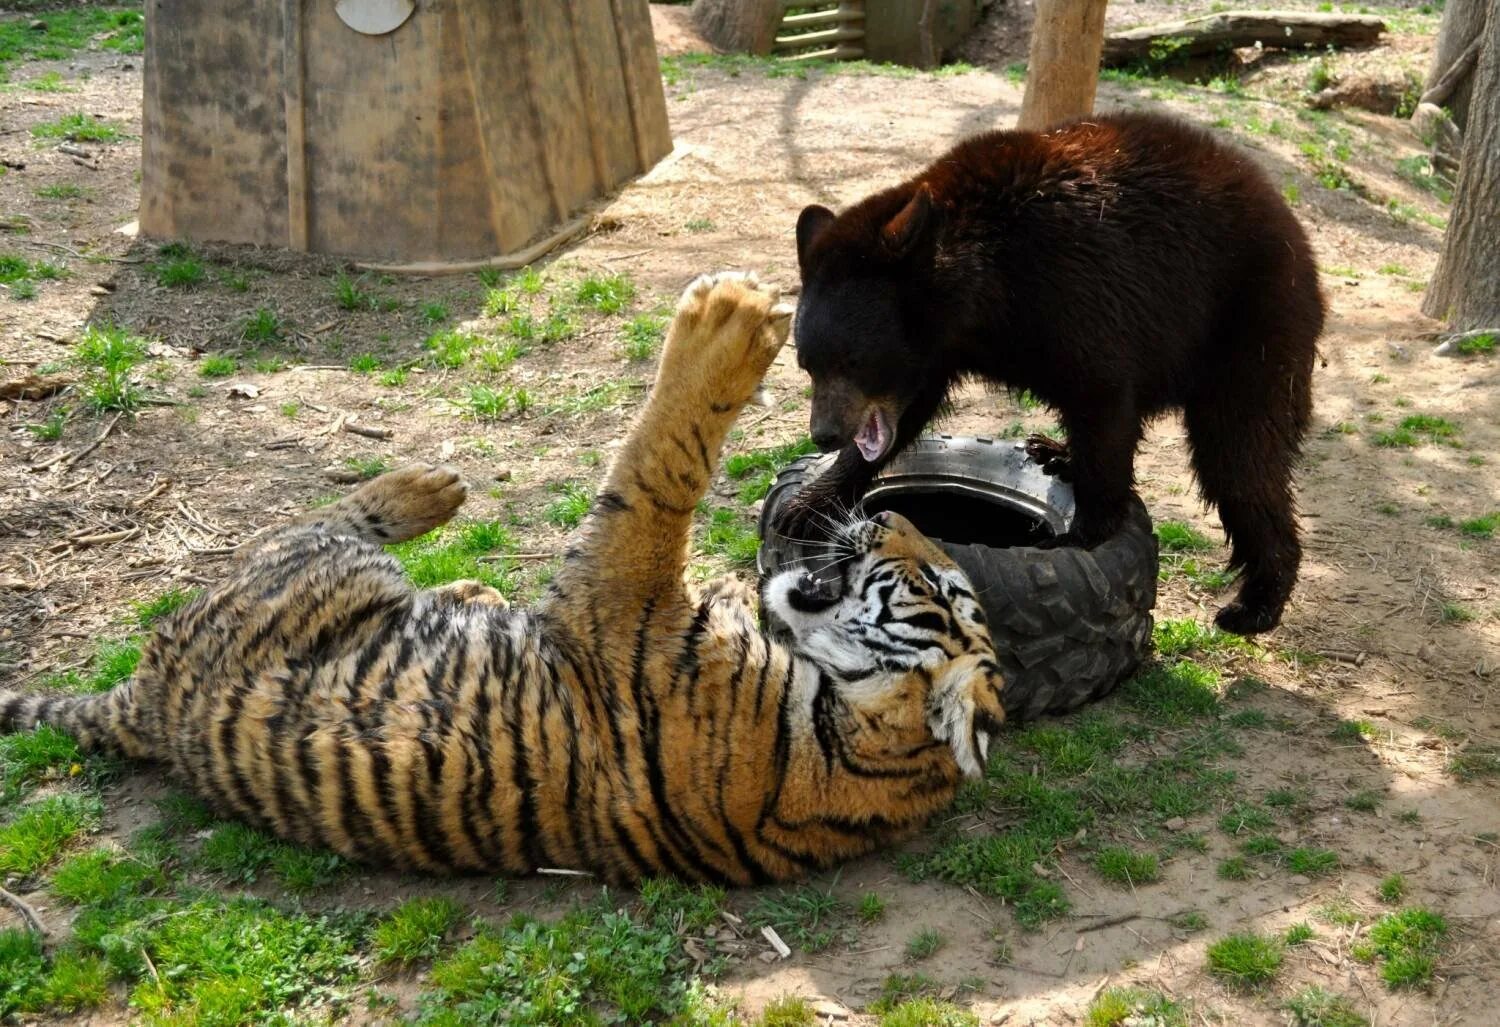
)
(769, 933)
(36, 386)
(366, 431)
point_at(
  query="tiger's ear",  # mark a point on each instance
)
(903, 232)
(811, 223)
(963, 709)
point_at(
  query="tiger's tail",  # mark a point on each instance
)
(109, 721)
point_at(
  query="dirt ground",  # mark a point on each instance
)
(1396, 621)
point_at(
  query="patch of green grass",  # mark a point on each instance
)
(596, 964)
(1311, 862)
(78, 127)
(1192, 921)
(368, 467)
(1365, 801)
(1416, 429)
(178, 268)
(927, 1012)
(788, 1011)
(1315, 1007)
(871, 907)
(48, 82)
(1418, 171)
(264, 326)
(1298, 934)
(571, 506)
(217, 365)
(147, 613)
(1391, 889)
(731, 537)
(1482, 344)
(1407, 944)
(760, 467)
(607, 294)
(486, 403)
(642, 336)
(433, 312)
(230, 962)
(924, 944)
(1174, 693)
(1245, 960)
(1261, 845)
(104, 875)
(414, 930)
(22, 969)
(1481, 527)
(108, 354)
(451, 348)
(1352, 731)
(1235, 868)
(806, 916)
(61, 191)
(1119, 1007)
(1454, 613)
(23, 290)
(1120, 865)
(393, 378)
(365, 363)
(698, 225)
(39, 831)
(453, 553)
(1178, 637)
(29, 757)
(51, 429)
(1474, 762)
(350, 294)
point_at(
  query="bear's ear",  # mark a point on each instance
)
(811, 223)
(902, 232)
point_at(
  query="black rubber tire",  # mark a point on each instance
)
(1068, 624)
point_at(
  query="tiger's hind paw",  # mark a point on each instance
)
(405, 503)
(470, 591)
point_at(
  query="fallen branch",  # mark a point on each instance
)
(21, 906)
(1451, 343)
(1464, 63)
(1213, 33)
(369, 433)
(68, 459)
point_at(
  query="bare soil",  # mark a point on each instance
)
(1395, 622)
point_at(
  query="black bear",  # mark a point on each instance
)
(1118, 267)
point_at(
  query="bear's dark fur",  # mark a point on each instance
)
(1118, 267)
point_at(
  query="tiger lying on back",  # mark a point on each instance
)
(627, 725)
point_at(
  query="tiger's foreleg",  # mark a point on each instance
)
(633, 548)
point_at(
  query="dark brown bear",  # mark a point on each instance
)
(1118, 267)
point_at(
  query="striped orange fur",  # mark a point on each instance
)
(629, 724)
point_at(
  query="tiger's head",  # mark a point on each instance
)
(901, 607)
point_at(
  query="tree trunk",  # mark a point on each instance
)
(738, 26)
(1211, 33)
(1463, 20)
(1465, 289)
(1063, 69)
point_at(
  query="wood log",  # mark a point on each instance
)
(739, 26)
(1216, 32)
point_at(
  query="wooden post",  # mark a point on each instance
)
(1063, 69)
(738, 26)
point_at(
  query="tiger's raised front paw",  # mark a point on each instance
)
(407, 502)
(727, 330)
(964, 710)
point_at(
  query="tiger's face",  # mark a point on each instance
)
(901, 606)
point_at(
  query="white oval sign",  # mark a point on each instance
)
(375, 17)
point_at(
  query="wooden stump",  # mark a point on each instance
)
(474, 132)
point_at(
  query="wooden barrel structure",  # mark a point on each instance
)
(420, 135)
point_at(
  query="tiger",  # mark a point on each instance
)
(628, 725)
